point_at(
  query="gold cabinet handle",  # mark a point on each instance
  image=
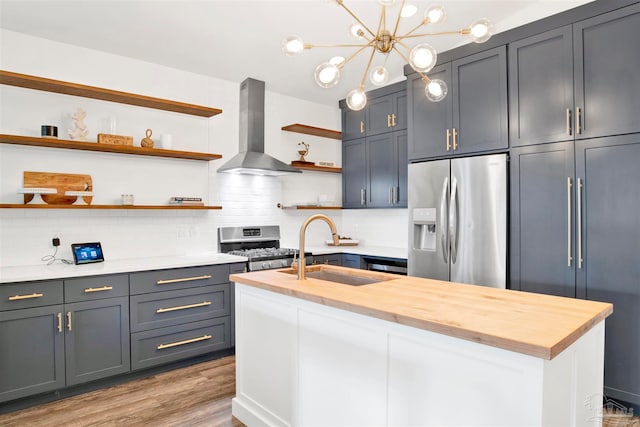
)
(184, 279)
(568, 121)
(59, 315)
(448, 139)
(21, 297)
(69, 326)
(361, 126)
(102, 289)
(455, 139)
(393, 120)
(177, 343)
(183, 307)
(388, 120)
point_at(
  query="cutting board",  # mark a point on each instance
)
(62, 182)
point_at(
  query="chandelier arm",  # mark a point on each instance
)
(341, 3)
(366, 71)
(414, 29)
(463, 32)
(353, 55)
(395, 30)
(311, 46)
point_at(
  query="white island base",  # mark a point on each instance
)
(301, 363)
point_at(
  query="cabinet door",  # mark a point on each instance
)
(97, 339)
(351, 261)
(400, 141)
(32, 352)
(541, 88)
(479, 94)
(381, 170)
(542, 218)
(606, 64)
(610, 244)
(354, 173)
(379, 115)
(353, 125)
(429, 121)
(400, 110)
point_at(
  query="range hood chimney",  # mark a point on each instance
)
(251, 159)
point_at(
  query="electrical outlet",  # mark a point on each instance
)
(55, 241)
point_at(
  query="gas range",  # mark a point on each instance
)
(260, 244)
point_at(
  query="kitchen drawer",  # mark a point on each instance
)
(177, 278)
(158, 346)
(237, 268)
(30, 294)
(96, 287)
(351, 260)
(161, 309)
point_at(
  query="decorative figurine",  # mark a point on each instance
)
(303, 152)
(147, 141)
(80, 131)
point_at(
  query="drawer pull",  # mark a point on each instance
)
(20, 297)
(184, 307)
(104, 288)
(184, 279)
(177, 343)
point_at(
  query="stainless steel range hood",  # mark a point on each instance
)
(252, 159)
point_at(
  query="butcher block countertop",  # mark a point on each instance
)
(533, 324)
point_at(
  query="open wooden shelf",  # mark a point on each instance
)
(318, 168)
(127, 207)
(308, 207)
(107, 148)
(75, 89)
(312, 130)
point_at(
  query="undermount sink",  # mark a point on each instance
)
(332, 274)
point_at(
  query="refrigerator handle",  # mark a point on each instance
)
(453, 220)
(579, 224)
(443, 220)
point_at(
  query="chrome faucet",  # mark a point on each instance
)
(303, 229)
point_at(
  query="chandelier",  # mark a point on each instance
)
(422, 57)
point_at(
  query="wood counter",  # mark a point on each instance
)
(532, 324)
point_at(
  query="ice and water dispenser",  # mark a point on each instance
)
(424, 229)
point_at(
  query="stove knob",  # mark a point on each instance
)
(284, 263)
(265, 265)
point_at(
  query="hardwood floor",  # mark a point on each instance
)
(198, 395)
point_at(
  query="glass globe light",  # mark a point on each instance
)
(292, 45)
(481, 30)
(408, 10)
(387, 2)
(356, 99)
(337, 60)
(357, 30)
(435, 14)
(379, 76)
(436, 90)
(327, 75)
(423, 57)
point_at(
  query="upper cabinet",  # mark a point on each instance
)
(471, 119)
(387, 113)
(575, 82)
(353, 124)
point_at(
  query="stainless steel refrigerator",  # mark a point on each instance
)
(458, 220)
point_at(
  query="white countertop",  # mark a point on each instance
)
(59, 270)
(382, 251)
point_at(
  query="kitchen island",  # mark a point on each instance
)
(411, 351)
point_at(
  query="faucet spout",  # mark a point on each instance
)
(303, 230)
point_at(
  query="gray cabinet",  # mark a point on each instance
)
(607, 248)
(374, 165)
(351, 261)
(473, 116)
(179, 313)
(353, 124)
(576, 82)
(542, 216)
(31, 338)
(331, 259)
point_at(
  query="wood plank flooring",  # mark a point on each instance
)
(198, 395)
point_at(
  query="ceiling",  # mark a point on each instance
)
(236, 39)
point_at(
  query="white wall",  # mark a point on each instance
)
(25, 235)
